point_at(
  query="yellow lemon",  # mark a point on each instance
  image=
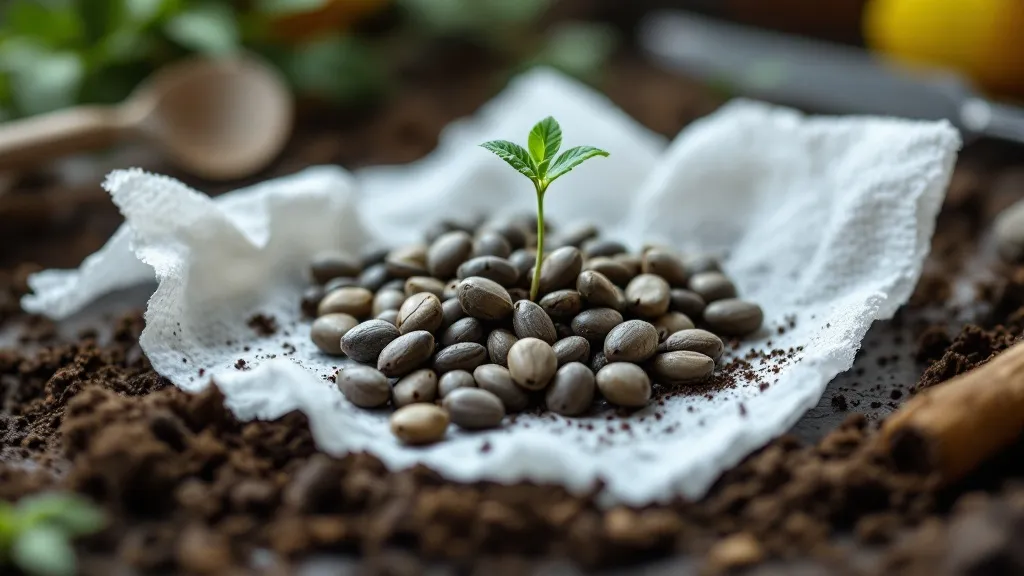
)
(983, 39)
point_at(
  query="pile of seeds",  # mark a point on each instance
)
(445, 330)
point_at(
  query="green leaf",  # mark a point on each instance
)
(515, 155)
(281, 7)
(544, 141)
(41, 80)
(207, 28)
(340, 69)
(578, 48)
(44, 551)
(572, 158)
(74, 515)
(55, 25)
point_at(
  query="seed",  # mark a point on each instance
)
(603, 247)
(407, 261)
(354, 301)
(694, 340)
(420, 284)
(451, 289)
(454, 380)
(340, 282)
(733, 317)
(499, 342)
(327, 330)
(311, 298)
(394, 284)
(419, 424)
(598, 290)
(632, 262)
(438, 229)
(672, 322)
(374, 276)
(387, 300)
(406, 353)
(523, 260)
(596, 323)
(572, 390)
(579, 234)
(513, 232)
(571, 349)
(687, 302)
(372, 255)
(491, 244)
(624, 384)
(529, 320)
(518, 294)
(563, 304)
(447, 252)
(419, 386)
(363, 386)
(451, 311)
(712, 286)
(365, 342)
(474, 408)
(532, 363)
(463, 356)
(560, 269)
(617, 272)
(666, 265)
(420, 312)
(484, 299)
(389, 316)
(497, 380)
(464, 330)
(647, 295)
(631, 341)
(597, 362)
(681, 367)
(699, 263)
(491, 267)
(331, 264)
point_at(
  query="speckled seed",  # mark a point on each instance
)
(532, 363)
(407, 261)
(647, 296)
(697, 263)
(372, 254)
(498, 344)
(365, 342)
(419, 284)
(363, 386)
(694, 340)
(497, 380)
(464, 330)
(332, 264)
(438, 229)
(631, 341)
(681, 367)
(563, 330)
(560, 269)
(733, 317)
(451, 312)
(406, 353)
(447, 252)
(529, 320)
(394, 284)
(523, 260)
(420, 312)
(451, 290)
(596, 323)
(387, 300)
(687, 302)
(463, 356)
(666, 265)
(354, 301)
(454, 380)
(712, 286)
(311, 298)
(484, 299)
(571, 392)
(603, 247)
(624, 384)
(512, 231)
(491, 267)
(598, 361)
(597, 290)
(419, 424)
(615, 271)
(672, 322)
(632, 262)
(327, 330)
(563, 304)
(571, 349)
(374, 276)
(490, 243)
(474, 408)
(389, 316)
(419, 386)
(340, 282)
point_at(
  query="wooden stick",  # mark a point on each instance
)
(954, 426)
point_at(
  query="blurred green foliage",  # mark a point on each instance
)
(55, 53)
(36, 533)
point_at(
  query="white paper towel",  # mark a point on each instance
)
(826, 223)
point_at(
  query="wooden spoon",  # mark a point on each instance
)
(217, 119)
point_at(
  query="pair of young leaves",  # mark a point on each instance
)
(539, 163)
(36, 533)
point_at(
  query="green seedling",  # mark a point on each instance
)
(540, 165)
(36, 533)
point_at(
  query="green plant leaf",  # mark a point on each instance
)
(544, 141)
(281, 7)
(340, 69)
(208, 28)
(54, 24)
(572, 158)
(578, 48)
(72, 514)
(515, 155)
(41, 80)
(44, 551)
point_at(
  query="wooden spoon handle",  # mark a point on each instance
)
(49, 136)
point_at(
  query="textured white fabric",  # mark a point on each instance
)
(825, 221)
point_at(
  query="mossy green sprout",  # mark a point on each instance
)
(36, 533)
(540, 165)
